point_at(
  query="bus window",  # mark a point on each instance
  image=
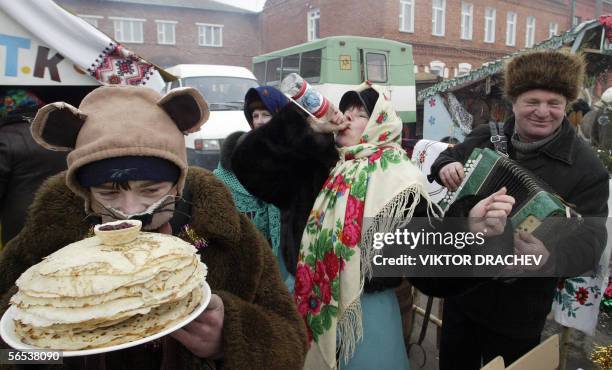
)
(273, 71)
(259, 70)
(311, 65)
(291, 64)
(376, 67)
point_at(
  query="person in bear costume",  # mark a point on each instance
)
(128, 161)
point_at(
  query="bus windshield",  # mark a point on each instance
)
(221, 93)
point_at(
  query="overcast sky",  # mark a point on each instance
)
(255, 5)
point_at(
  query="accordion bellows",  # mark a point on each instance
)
(91, 295)
(537, 209)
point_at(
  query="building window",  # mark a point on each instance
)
(467, 12)
(530, 32)
(576, 21)
(464, 68)
(437, 68)
(165, 32)
(128, 29)
(489, 25)
(91, 19)
(406, 18)
(210, 34)
(553, 28)
(437, 17)
(511, 29)
(313, 24)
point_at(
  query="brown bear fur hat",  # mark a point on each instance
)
(557, 71)
(120, 121)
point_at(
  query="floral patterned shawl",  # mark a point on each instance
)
(374, 187)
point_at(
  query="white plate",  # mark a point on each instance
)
(7, 331)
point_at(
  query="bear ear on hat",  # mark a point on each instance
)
(186, 107)
(57, 125)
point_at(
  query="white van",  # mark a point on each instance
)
(224, 88)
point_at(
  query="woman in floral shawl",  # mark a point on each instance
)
(338, 198)
(375, 181)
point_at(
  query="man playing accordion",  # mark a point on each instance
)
(506, 316)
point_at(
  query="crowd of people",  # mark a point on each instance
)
(290, 213)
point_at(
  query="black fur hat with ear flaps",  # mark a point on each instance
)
(557, 71)
(121, 121)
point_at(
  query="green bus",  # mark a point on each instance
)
(334, 65)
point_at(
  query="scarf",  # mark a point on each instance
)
(265, 216)
(524, 149)
(84, 45)
(374, 187)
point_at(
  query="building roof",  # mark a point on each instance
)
(192, 4)
(496, 66)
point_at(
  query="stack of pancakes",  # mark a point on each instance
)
(91, 295)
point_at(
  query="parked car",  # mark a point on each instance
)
(224, 88)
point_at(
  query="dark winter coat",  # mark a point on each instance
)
(262, 329)
(519, 308)
(24, 165)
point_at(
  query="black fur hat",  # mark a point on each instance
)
(556, 71)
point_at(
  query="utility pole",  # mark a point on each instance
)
(573, 15)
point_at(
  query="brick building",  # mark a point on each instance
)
(449, 37)
(170, 32)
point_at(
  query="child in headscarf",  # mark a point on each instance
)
(260, 104)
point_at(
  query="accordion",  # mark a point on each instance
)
(537, 210)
